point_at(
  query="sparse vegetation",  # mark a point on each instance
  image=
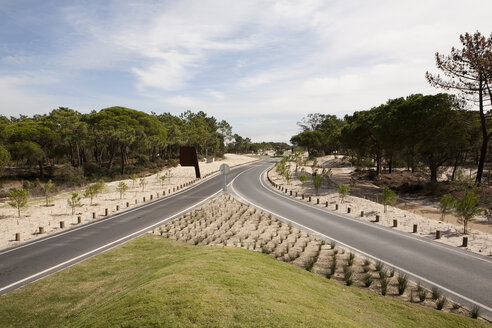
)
(466, 209)
(343, 191)
(122, 188)
(446, 205)
(388, 197)
(74, 202)
(47, 189)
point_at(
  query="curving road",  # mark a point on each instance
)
(37, 259)
(461, 275)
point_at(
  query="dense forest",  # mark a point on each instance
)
(112, 142)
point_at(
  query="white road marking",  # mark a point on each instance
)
(355, 249)
(113, 244)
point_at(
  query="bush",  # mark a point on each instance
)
(347, 275)
(402, 283)
(384, 286)
(436, 294)
(72, 176)
(440, 303)
(367, 279)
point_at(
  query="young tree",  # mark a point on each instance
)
(143, 183)
(122, 188)
(46, 189)
(466, 209)
(343, 191)
(303, 178)
(317, 181)
(446, 205)
(288, 174)
(469, 71)
(18, 199)
(93, 190)
(169, 175)
(133, 177)
(163, 179)
(388, 198)
(74, 202)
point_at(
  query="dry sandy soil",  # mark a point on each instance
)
(37, 214)
(226, 222)
(479, 241)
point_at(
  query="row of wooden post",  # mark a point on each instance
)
(395, 222)
(106, 211)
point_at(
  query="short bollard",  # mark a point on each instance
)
(41, 230)
(286, 190)
(17, 236)
(62, 224)
(163, 193)
(348, 209)
(465, 242)
(414, 228)
(174, 189)
(291, 192)
(336, 207)
(79, 219)
(302, 196)
(135, 201)
(169, 191)
(361, 214)
(438, 234)
(317, 202)
(296, 193)
(395, 223)
(157, 195)
(143, 199)
(310, 199)
(377, 218)
(326, 205)
(93, 215)
(117, 207)
(127, 204)
(151, 197)
(105, 212)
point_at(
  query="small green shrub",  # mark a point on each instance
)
(435, 293)
(379, 266)
(475, 312)
(402, 283)
(350, 259)
(367, 279)
(440, 303)
(384, 286)
(347, 275)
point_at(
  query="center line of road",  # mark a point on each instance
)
(352, 248)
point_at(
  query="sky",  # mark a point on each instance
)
(260, 65)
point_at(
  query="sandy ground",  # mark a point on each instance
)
(226, 222)
(451, 233)
(37, 214)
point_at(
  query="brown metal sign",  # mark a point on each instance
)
(187, 157)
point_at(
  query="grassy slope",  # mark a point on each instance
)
(153, 281)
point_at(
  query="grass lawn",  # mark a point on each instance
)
(153, 281)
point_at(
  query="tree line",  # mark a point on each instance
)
(110, 142)
(435, 130)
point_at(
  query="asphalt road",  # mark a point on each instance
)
(35, 260)
(459, 274)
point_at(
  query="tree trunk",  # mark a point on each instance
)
(485, 138)
(111, 156)
(122, 150)
(378, 163)
(41, 172)
(455, 166)
(390, 165)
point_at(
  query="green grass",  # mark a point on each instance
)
(153, 281)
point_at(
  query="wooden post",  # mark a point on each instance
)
(62, 224)
(377, 218)
(93, 215)
(414, 228)
(302, 196)
(157, 195)
(310, 199)
(17, 236)
(127, 204)
(79, 219)
(117, 207)
(395, 223)
(361, 214)
(151, 197)
(105, 212)
(465, 242)
(336, 207)
(317, 202)
(143, 199)
(438, 234)
(41, 230)
(348, 210)
(326, 205)
(135, 201)
(291, 192)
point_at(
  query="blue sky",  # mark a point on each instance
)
(260, 65)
